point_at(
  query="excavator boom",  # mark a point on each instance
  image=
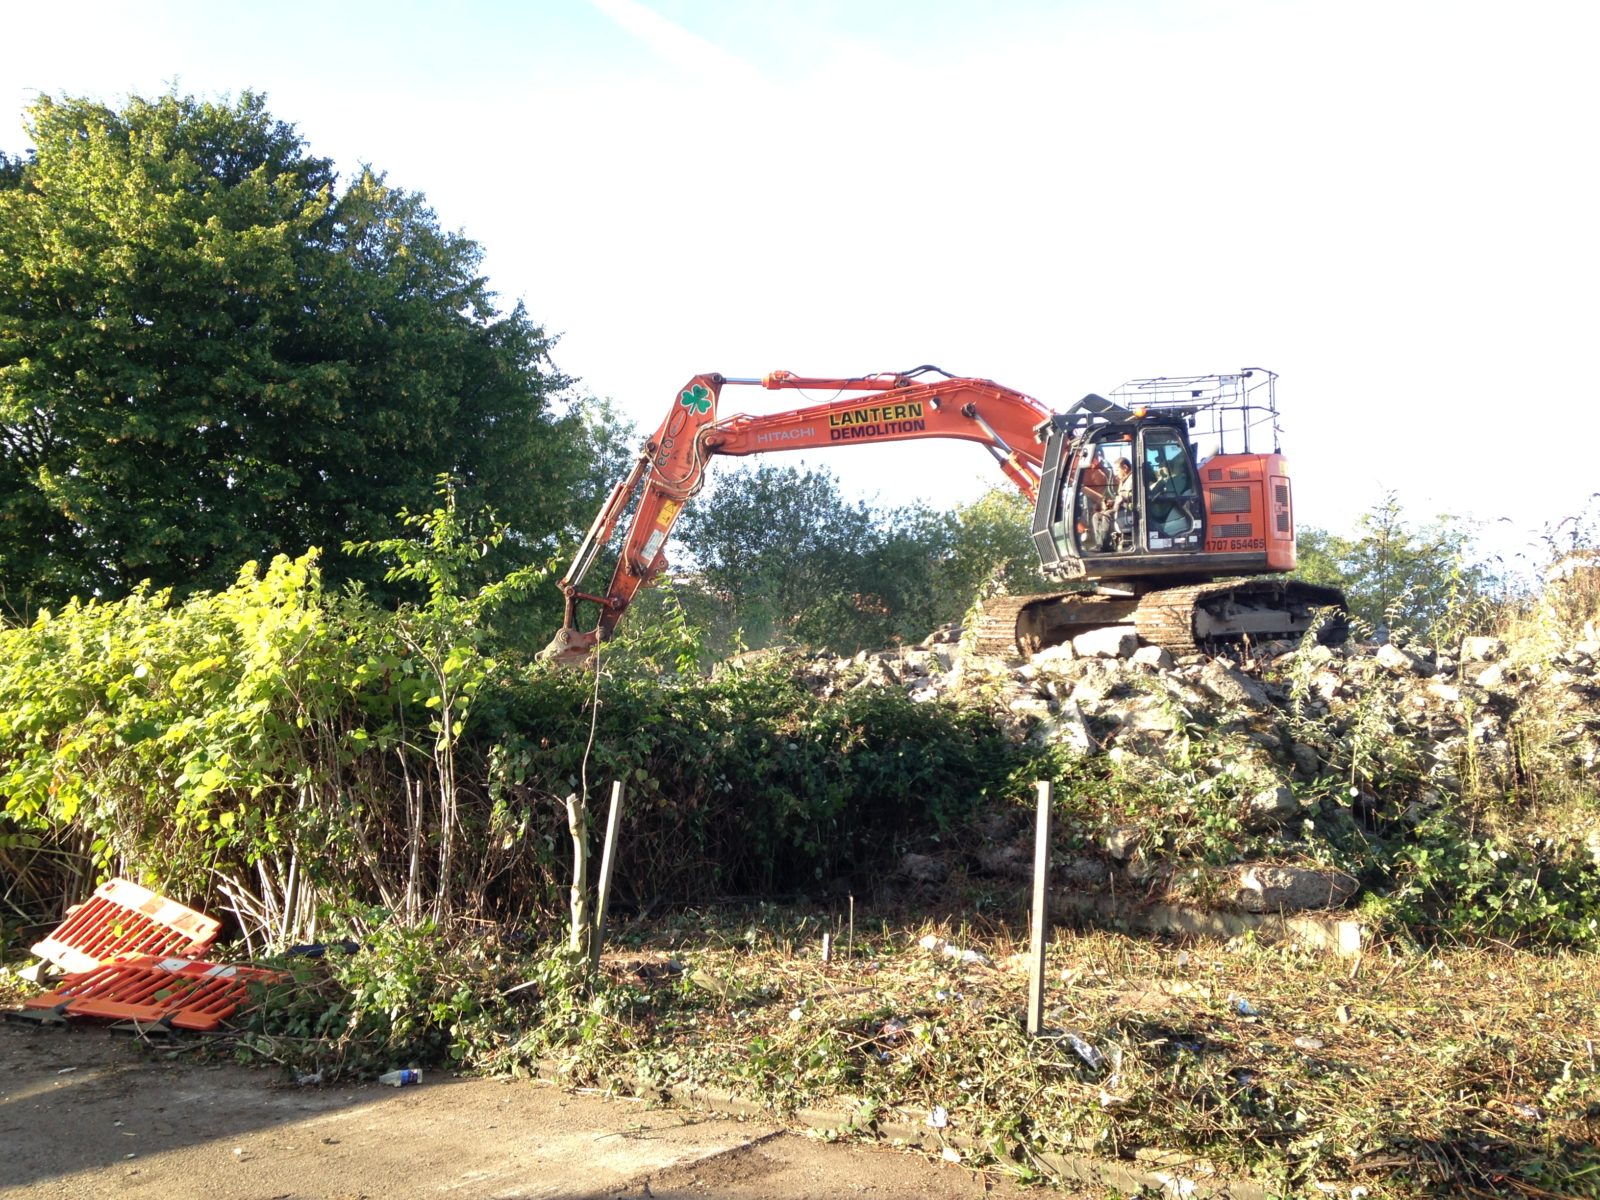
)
(671, 469)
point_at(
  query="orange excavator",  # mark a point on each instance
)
(1160, 497)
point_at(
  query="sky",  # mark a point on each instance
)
(1390, 203)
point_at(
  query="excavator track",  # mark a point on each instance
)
(1012, 625)
(1182, 620)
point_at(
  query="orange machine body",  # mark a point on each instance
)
(1184, 518)
(1249, 508)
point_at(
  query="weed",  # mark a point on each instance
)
(408, 997)
(1430, 1046)
(1430, 1070)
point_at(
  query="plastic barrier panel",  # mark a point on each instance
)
(124, 919)
(176, 991)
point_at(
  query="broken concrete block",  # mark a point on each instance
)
(1054, 654)
(1145, 714)
(1069, 728)
(1083, 874)
(1120, 842)
(1306, 759)
(1495, 675)
(1402, 662)
(1319, 655)
(1153, 656)
(1232, 686)
(1261, 888)
(1113, 641)
(920, 868)
(1271, 806)
(1011, 861)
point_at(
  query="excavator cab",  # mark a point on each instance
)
(1117, 492)
(1162, 481)
(1130, 489)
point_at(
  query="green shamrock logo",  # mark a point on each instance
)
(697, 398)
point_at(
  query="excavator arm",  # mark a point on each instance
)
(869, 409)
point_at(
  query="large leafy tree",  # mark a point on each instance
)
(210, 353)
(789, 556)
(1395, 574)
(778, 552)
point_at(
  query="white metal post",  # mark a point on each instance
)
(1041, 928)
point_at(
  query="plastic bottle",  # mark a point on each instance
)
(400, 1078)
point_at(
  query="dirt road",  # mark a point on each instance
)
(85, 1113)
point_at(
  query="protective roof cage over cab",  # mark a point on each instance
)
(1226, 414)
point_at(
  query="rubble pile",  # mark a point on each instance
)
(1389, 731)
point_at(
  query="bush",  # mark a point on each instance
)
(748, 783)
(277, 753)
(410, 996)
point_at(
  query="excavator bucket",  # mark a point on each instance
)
(570, 648)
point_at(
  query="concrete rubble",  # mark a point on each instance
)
(1272, 724)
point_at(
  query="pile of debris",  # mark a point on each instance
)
(133, 957)
(1271, 723)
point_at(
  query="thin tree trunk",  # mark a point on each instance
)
(445, 766)
(578, 827)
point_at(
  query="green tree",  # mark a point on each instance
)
(790, 557)
(992, 545)
(443, 645)
(768, 542)
(889, 584)
(209, 354)
(1395, 574)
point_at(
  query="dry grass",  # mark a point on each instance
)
(14, 989)
(1455, 1072)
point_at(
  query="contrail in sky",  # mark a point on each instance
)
(675, 44)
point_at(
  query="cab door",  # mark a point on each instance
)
(1078, 485)
(1171, 513)
(1102, 496)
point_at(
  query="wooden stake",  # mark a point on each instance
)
(608, 862)
(1041, 929)
(827, 947)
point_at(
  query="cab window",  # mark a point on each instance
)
(1172, 493)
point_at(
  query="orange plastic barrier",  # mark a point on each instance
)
(178, 992)
(123, 919)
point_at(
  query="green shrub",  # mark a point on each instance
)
(1447, 880)
(278, 754)
(411, 996)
